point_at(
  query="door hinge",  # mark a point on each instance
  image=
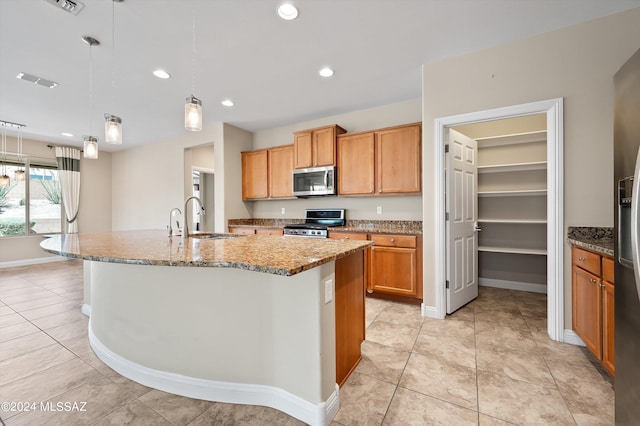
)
(446, 216)
(446, 148)
(447, 283)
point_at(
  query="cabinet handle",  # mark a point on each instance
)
(591, 280)
(393, 240)
(581, 259)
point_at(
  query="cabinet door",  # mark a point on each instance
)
(393, 270)
(280, 172)
(324, 147)
(398, 160)
(608, 347)
(254, 175)
(356, 164)
(302, 151)
(587, 311)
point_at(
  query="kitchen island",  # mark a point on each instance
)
(249, 319)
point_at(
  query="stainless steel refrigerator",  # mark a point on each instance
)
(627, 241)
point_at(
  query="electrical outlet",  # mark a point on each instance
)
(282, 211)
(328, 291)
(379, 209)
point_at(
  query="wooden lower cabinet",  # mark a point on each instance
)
(395, 266)
(593, 304)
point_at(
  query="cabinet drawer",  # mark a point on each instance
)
(336, 235)
(268, 231)
(586, 260)
(607, 269)
(241, 230)
(394, 240)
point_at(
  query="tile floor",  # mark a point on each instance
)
(490, 363)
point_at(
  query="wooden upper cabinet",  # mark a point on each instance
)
(356, 164)
(267, 173)
(280, 172)
(303, 151)
(316, 147)
(255, 175)
(385, 161)
(398, 159)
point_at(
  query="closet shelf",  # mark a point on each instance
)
(513, 167)
(513, 139)
(518, 221)
(513, 250)
(513, 193)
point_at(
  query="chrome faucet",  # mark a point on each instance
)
(185, 232)
(177, 223)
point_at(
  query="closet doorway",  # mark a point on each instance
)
(519, 203)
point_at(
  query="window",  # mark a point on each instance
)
(33, 205)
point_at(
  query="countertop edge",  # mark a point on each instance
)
(592, 246)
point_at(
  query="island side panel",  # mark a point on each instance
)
(350, 319)
(220, 324)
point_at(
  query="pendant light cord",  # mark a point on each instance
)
(90, 90)
(113, 56)
(193, 47)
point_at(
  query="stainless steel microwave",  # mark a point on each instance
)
(314, 181)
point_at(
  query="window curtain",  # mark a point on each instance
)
(69, 172)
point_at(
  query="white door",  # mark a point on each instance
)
(462, 223)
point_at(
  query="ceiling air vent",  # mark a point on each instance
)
(73, 7)
(37, 80)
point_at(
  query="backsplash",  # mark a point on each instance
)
(592, 233)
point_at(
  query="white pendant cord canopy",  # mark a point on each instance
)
(90, 142)
(193, 105)
(113, 123)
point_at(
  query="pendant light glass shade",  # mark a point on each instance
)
(20, 175)
(91, 147)
(193, 114)
(5, 180)
(112, 129)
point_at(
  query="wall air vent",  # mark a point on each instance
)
(37, 80)
(73, 7)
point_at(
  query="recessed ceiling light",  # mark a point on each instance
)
(227, 103)
(67, 134)
(287, 11)
(161, 74)
(326, 72)
(37, 80)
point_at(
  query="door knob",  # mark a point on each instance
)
(476, 227)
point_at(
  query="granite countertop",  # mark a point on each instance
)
(599, 240)
(262, 253)
(410, 227)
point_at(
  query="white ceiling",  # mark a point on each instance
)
(246, 53)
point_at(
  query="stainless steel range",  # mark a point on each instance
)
(316, 223)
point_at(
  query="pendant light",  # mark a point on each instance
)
(90, 142)
(5, 180)
(20, 172)
(193, 105)
(113, 123)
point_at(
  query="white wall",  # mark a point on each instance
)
(95, 203)
(577, 63)
(393, 207)
(149, 180)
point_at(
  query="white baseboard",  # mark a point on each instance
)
(86, 310)
(513, 285)
(429, 311)
(211, 390)
(572, 338)
(33, 261)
